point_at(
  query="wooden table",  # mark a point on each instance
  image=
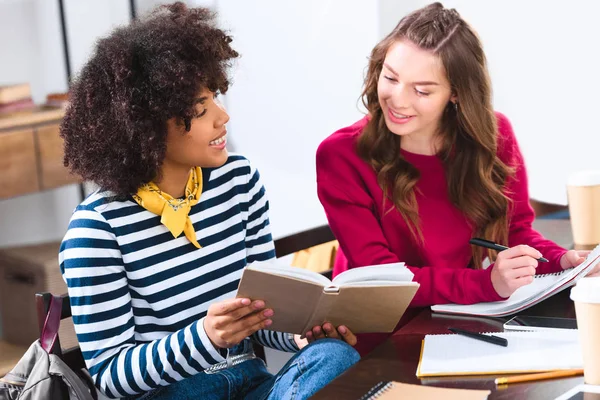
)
(397, 358)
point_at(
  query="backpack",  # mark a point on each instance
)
(40, 375)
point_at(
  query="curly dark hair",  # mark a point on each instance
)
(140, 76)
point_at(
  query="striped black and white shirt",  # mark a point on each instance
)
(139, 295)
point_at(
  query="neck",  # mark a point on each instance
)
(173, 180)
(419, 144)
(426, 141)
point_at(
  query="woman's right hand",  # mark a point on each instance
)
(228, 322)
(514, 267)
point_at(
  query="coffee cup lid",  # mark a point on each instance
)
(584, 178)
(587, 290)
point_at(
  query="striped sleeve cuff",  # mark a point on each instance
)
(276, 340)
(207, 344)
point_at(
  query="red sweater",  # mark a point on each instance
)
(353, 200)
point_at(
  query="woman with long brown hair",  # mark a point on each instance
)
(430, 167)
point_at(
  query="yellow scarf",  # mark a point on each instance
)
(173, 212)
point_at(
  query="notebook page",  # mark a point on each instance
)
(447, 355)
(528, 295)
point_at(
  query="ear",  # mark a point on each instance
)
(454, 98)
(178, 125)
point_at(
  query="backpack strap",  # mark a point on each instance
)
(52, 323)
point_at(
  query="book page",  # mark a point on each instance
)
(291, 272)
(388, 273)
(455, 355)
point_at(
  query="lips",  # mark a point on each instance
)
(218, 141)
(399, 118)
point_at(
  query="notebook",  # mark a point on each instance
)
(396, 390)
(457, 355)
(542, 287)
(366, 299)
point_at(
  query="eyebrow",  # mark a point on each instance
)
(420, 83)
(201, 100)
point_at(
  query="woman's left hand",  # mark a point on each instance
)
(573, 258)
(327, 330)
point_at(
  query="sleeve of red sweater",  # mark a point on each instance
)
(521, 230)
(350, 212)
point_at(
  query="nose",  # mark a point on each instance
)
(401, 97)
(223, 117)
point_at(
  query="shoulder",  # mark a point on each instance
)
(236, 165)
(508, 147)
(341, 144)
(98, 209)
(236, 171)
(505, 129)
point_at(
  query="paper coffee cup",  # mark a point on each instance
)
(583, 192)
(586, 295)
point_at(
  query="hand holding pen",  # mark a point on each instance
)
(514, 267)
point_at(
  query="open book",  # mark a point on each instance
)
(366, 299)
(542, 287)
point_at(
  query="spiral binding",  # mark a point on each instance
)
(551, 274)
(377, 390)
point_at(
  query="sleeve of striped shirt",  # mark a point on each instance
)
(101, 304)
(259, 247)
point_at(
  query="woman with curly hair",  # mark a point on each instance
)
(153, 258)
(430, 167)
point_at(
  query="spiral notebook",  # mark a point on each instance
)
(457, 355)
(542, 287)
(396, 390)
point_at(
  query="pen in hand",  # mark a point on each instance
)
(479, 336)
(494, 246)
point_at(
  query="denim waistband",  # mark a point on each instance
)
(235, 355)
(245, 346)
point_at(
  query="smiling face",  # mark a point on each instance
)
(204, 144)
(413, 92)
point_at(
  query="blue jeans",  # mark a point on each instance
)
(305, 373)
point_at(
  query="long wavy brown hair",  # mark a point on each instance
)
(476, 176)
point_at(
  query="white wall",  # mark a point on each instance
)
(544, 65)
(297, 81)
(300, 76)
(30, 32)
(19, 55)
(31, 35)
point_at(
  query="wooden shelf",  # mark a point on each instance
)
(37, 115)
(31, 152)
